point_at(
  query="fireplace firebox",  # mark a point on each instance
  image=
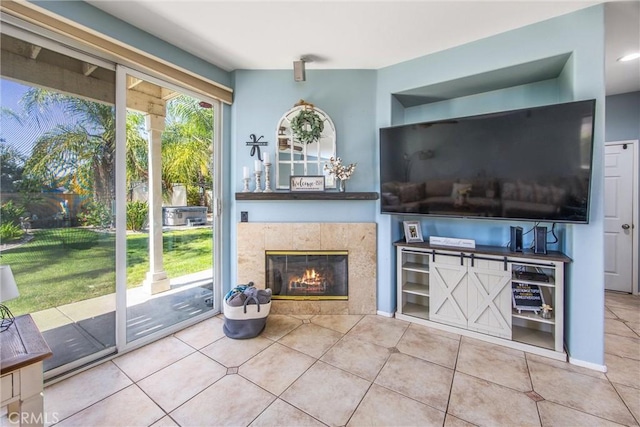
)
(307, 275)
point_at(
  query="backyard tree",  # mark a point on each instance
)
(187, 147)
(78, 153)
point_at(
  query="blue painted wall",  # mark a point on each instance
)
(347, 96)
(623, 117)
(580, 33)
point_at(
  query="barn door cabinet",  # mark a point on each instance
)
(471, 292)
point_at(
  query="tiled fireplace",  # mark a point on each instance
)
(281, 252)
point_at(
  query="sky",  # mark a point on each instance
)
(19, 135)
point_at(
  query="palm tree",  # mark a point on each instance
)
(78, 154)
(187, 146)
(137, 159)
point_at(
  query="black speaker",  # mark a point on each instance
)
(540, 240)
(515, 245)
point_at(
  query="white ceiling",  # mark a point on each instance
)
(347, 34)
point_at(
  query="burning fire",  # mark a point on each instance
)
(311, 280)
(310, 276)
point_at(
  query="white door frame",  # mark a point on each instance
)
(635, 193)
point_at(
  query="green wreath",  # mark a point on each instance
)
(307, 126)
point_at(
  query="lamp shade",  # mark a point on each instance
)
(8, 286)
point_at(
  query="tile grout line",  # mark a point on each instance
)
(453, 378)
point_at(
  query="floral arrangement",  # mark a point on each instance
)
(307, 126)
(337, 169)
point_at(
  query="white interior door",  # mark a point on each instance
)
(618, 217)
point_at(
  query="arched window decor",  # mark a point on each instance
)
(306, 140)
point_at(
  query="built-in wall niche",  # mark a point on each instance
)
(517, 75)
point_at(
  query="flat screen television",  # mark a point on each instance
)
(532, 164)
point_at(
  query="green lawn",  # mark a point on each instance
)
(60, 266)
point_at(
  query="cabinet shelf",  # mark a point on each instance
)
(414, 266)
(532, 337)
(550, 284)
(532, 316)
(416, 289)
(416, 310)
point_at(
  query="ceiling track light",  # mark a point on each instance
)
(298, 70)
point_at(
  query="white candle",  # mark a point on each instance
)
(267, 158)
(257, 165)
(245, 172)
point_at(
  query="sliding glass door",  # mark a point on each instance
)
(109, 200)
(169, 200)
(57, 199)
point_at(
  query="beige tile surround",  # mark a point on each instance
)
(357, 238)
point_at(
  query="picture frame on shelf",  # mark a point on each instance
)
(412, 232)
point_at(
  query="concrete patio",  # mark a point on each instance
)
(85, 327)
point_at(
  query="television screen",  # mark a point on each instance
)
(532, 164)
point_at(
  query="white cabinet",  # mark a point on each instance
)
(471, 292)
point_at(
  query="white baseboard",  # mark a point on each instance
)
(588, 365)
(384, 313)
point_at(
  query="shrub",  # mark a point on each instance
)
(96, 214)
(10, 232)
(137, 213)
(10, 213)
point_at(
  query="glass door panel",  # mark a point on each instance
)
(57, 195)
(169, 207)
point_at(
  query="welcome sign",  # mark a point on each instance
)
(306, 183)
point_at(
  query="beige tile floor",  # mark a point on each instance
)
(353, 371)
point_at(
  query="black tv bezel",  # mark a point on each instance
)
(495, 218)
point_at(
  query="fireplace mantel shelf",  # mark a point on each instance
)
(299, 195)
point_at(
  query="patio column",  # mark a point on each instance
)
(157, 280)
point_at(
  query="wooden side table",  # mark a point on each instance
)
(22, 350)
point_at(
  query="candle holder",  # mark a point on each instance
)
(267, 178)
(246, 184)
(258, 189)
